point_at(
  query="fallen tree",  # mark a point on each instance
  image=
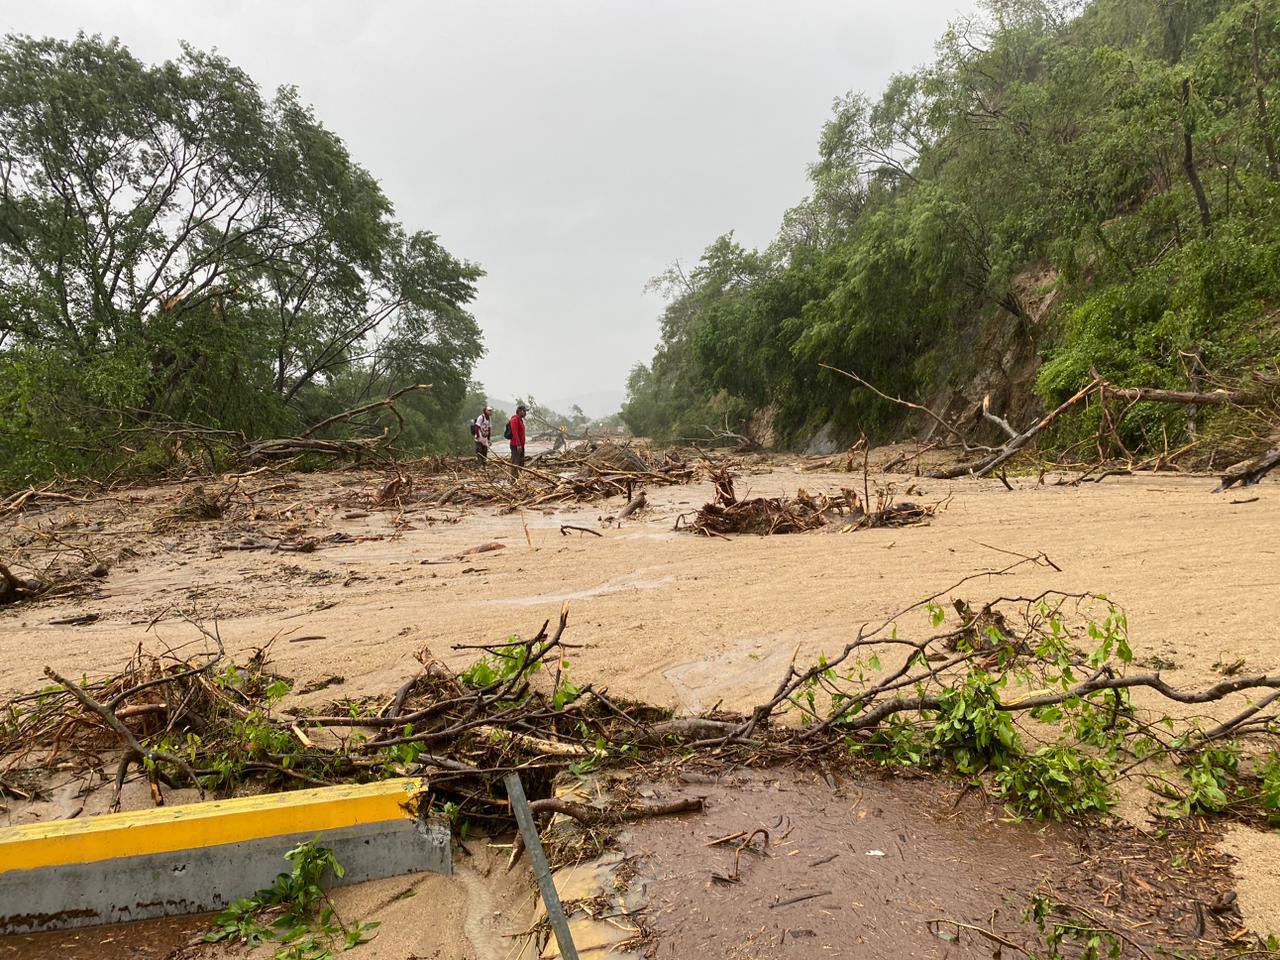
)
(766, 516)
(1250, 471)
(1023, 690)
(1260, 396)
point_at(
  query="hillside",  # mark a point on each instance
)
(1065, 188)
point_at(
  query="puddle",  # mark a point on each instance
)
(616, 585)
(140, 940)
(873, 870)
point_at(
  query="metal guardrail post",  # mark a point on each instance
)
(541, 869)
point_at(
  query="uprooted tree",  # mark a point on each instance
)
(1261, 402)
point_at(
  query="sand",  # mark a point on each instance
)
(678, 619)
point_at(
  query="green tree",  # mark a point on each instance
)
(1119, 155)
(176, 245)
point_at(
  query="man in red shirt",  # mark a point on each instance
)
(516, 431)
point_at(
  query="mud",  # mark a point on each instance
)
(669, 618)
(880, 869)
(144, 940)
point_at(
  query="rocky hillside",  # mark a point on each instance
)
(1065, 188)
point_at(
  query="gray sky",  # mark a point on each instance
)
(574, 148)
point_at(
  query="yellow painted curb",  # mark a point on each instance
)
(208, 824)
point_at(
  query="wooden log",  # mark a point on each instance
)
(637, 503)
(1222, 398)
(1251, 471)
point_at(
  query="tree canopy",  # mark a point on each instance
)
(1115, 159)
(175, 245)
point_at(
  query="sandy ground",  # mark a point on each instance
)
(673, 618)
(678, 619)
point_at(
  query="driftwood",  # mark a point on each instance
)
(995, 456)
(617, 813)
(612, 815)
(1015, 444)
(136, 753)
(724, 436)
(1018, 441)
(21, 500)
(594, 472)
(464, 730)
(566, 527)
(765, 516)
(1251, 471)
(636, 503)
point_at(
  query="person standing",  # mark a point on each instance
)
(515, 433)
(482, 430)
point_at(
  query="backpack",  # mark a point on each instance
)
(506, 434)
(475, 430)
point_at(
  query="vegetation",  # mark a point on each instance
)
(177, 248)
(294, 912)
(575, 422)
(1081, 185)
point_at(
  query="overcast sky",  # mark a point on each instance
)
(573, 148)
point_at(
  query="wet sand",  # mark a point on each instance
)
(676, 619)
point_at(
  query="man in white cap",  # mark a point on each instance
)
(482, 430)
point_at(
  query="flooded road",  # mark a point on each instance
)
(880, 869)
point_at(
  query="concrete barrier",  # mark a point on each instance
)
(201, 856)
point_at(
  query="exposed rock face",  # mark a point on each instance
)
(997, 354)
(824, 441)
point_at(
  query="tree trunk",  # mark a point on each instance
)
(1189, 161)
(1220, 398)
(1268, 141)
(1264, 114)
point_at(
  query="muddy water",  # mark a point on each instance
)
(142, 940)
(861, 871)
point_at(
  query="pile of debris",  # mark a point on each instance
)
(232, 735)
(590, 472)
(205, 721)
(759, 515)
(61, 543)
(769, 515)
